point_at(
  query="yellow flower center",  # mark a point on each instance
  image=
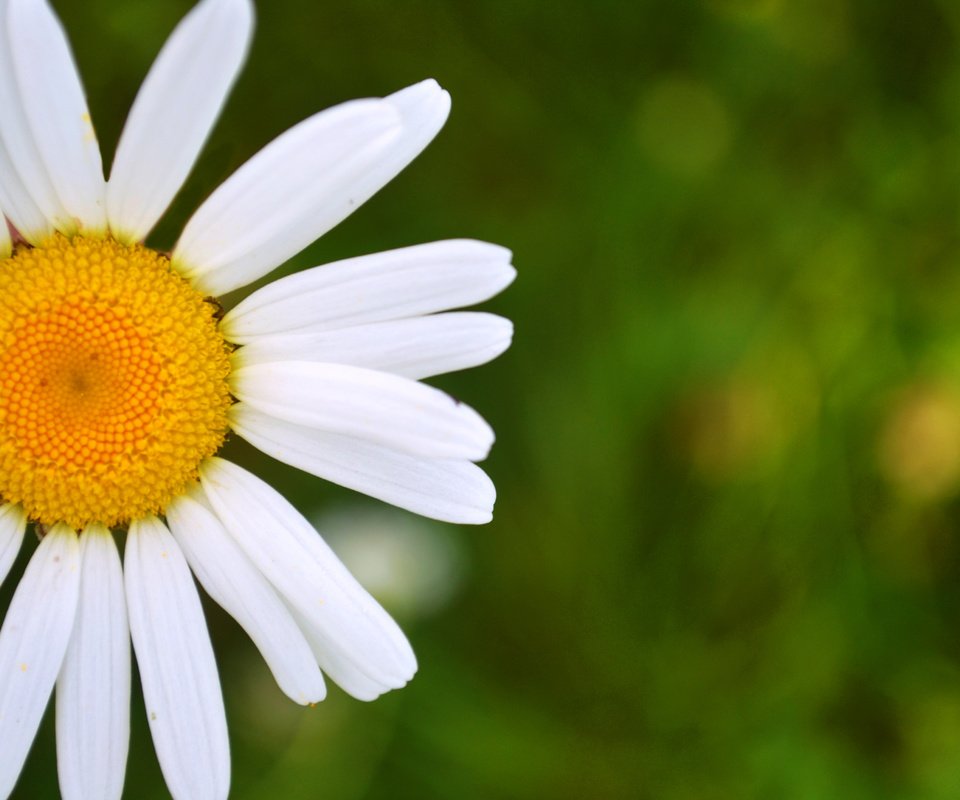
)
(113, 381)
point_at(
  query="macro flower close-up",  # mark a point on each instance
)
(258, 538)
(122, 376)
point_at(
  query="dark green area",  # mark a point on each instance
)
(725, 562)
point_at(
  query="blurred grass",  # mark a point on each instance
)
(725, 557)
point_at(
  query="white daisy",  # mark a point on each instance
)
(119, 382)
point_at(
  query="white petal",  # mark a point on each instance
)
(179, 674)
(235, 584)
(356, 633)
(382, 408)
(342, 671)
(15, 201)
(56, 111)
(27, 194)
(174, 112)
(393, 285)
(93, 690)
(418, 347)
(424, 107)
(296, 188)
(33, 641)
(453, 491)
(13, 522)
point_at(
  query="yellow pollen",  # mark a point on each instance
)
(113, 381)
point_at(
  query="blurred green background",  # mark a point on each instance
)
(725, 561)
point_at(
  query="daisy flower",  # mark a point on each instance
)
(121, 377)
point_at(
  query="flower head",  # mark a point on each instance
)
(121, 377)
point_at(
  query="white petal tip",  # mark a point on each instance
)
(419, 98)
(478, 518)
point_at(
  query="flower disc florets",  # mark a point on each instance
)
(113, 381)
